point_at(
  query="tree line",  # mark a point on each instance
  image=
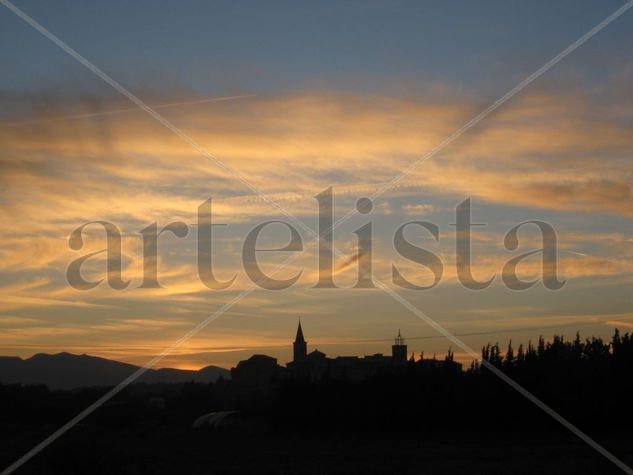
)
(588, 381)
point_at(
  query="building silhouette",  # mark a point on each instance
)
(399, 349)
(258, 372)
(261, 371)
(316, 365)
(300, 346)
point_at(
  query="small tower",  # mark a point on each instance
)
(300, 346)
(399, 350)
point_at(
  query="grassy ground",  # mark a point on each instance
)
(149, 450)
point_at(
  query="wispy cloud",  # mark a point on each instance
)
(545, 151)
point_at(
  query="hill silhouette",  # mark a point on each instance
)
(70, 371)
(420, 416)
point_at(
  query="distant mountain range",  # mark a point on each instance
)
(68, 371)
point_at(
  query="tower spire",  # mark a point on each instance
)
(300, 346)
(299, 337)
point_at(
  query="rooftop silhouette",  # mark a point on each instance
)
(262, 371)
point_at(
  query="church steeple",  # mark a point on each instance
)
(300, 346)
(299, 337)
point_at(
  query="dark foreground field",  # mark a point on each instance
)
(147, 450)
(414, 418)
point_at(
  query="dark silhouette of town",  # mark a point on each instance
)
(320, 414)
(262, 371)
(586, 380)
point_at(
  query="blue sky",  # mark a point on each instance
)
(375, 47)
(343, 94)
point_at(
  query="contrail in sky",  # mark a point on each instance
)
(129, 109)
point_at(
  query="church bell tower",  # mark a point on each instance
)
(300, 346)
(399, 350)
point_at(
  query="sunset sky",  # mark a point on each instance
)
(298, 97)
